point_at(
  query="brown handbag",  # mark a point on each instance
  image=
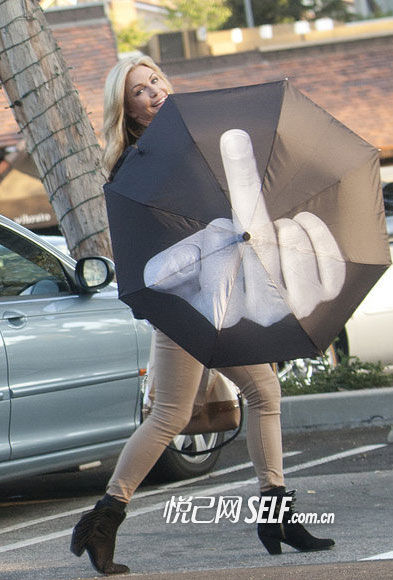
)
(216, 407)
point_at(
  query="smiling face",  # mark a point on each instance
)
(145, 93)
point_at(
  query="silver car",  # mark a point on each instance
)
(72, 359)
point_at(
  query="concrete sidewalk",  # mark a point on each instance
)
(330, 411)
(360, 408)
(381, 569)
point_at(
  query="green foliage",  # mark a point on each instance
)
(189, 14)
(132, 37)
(281, 11)
(266, 12)
(350, 374)
(336, 9)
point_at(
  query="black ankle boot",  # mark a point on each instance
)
(271, 535)
(96, 533)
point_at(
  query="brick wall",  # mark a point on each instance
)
(353, 80)
(88, 45)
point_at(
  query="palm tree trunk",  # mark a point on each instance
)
(54, 125)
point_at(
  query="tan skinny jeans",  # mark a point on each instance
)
(178, 375)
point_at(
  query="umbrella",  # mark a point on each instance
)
(247, 224)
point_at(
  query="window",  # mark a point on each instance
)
(26, 268)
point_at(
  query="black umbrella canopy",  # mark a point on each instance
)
(247, 224)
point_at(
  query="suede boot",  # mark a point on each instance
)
(96, 533)
(293, 534)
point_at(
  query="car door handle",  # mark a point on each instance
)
(15, 318)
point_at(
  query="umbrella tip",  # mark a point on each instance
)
(246, 236)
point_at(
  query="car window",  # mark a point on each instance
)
(26, 268)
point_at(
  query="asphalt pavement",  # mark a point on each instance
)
(346, 570)
(308, 413)
(337, 455)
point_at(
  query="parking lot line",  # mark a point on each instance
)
(328, 458)
(37, 540)
(68, 532)
(213, 489)
(140, 495)
(383, 556)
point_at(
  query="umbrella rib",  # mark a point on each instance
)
(285, 81)
(323, 191)
(173, 214)
(271, 150)
(210, 174)
(291, 178)
(204, 257)
(279, 292)
(241, 251)
(331, 121)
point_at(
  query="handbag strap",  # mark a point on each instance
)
(220, 445)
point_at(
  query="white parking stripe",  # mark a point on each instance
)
(214, 489)
(384, 556)
(329, 458)
(140, 494)
(44, 520)
(37, 540)
(211, 475)
(61, 534)
(299, 467)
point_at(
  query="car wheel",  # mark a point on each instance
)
(174, 466)
(305, 367)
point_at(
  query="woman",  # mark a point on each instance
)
(135, 91)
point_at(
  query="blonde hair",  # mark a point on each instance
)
(120, 130)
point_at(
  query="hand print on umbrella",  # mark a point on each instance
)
(250, 267)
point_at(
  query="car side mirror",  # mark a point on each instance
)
(94, 273)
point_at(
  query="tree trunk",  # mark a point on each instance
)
(56, 129)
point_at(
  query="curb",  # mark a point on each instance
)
(345, 409)
(362, 408)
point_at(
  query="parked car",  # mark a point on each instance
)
(72, 359)
(368, 334)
